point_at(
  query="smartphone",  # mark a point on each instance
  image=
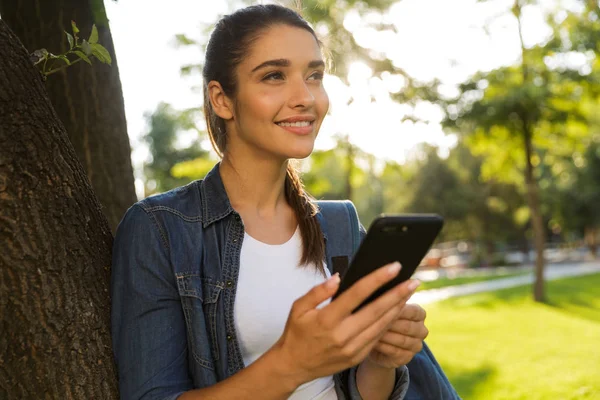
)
(404, 238)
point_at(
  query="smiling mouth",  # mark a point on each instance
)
(299, 124)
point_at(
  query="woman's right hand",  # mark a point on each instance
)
(319, 342)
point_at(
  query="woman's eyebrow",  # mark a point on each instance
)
(316, 64)
(282, 62)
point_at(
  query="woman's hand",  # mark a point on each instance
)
(403, 340)
(319, 342)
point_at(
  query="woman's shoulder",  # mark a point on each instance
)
(184, 201)
(162, 215)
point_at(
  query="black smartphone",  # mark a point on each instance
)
(404, 238)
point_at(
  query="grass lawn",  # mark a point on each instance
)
(443, 282)
(503, 345)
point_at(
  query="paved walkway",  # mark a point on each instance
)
(552, 272)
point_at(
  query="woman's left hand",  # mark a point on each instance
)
(403, 340)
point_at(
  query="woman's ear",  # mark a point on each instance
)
(221, 104)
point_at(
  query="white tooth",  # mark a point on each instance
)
(295, 124)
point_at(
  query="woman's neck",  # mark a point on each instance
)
(254, 184)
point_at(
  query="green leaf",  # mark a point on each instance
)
(94, 35)
(101, 53)
(65, 59)
(183, 40)
(71, 40)
(83, 56)
(74, 26)
(87, 49)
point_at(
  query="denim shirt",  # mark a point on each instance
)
(176, 258)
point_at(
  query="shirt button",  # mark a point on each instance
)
(235, 240)
(228, 337)
(229, 283)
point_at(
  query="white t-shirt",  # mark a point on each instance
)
(269, 281)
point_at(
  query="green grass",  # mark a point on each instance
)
(443, 282)
(503, 345)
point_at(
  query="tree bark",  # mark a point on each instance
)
(55, 250)
(536, 218)
(88, 101)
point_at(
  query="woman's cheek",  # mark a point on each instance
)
(324, 101)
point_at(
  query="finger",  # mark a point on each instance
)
(373, 321)
(316, 296)
(396, 338)
(408, 328)
(413, 312)
(399, 353)
(410, 344)
(366, 316)
(343, 305)
(367, 338)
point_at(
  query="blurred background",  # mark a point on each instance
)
(485, 112)
(428, 104)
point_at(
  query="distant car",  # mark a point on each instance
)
(456, 260)
(432, 259)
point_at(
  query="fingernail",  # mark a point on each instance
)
(333, 281)
(394, 268)
(413, 285)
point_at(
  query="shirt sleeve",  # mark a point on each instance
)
(147, 321)
(428, 380)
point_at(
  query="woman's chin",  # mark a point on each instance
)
(300, 154)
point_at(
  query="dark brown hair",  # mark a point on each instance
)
(229, 42)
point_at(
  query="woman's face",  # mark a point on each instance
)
(280, 102)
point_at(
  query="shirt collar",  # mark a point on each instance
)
(215, 203)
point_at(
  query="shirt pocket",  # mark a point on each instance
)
(199, 299)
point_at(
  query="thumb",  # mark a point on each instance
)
(316, 296)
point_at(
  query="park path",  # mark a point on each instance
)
(552, 272)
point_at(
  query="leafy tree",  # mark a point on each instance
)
(88, 101)
(345, 172)
(477, 210)
(577, 200)
(165, 169)
(512, 112)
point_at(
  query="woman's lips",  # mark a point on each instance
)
(298, 128)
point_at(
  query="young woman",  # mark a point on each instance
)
(220, 288)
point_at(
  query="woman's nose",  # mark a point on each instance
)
(301, 95)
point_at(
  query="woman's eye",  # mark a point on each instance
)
(317, 76)
(273, 76)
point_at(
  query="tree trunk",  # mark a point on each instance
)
(55, 250)
(536, 217)
(591, 239)
(525, 248)
(532, 188)
(88, 101)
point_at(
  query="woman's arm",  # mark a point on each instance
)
(318, 342)
(375, 382)
(147, 322)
